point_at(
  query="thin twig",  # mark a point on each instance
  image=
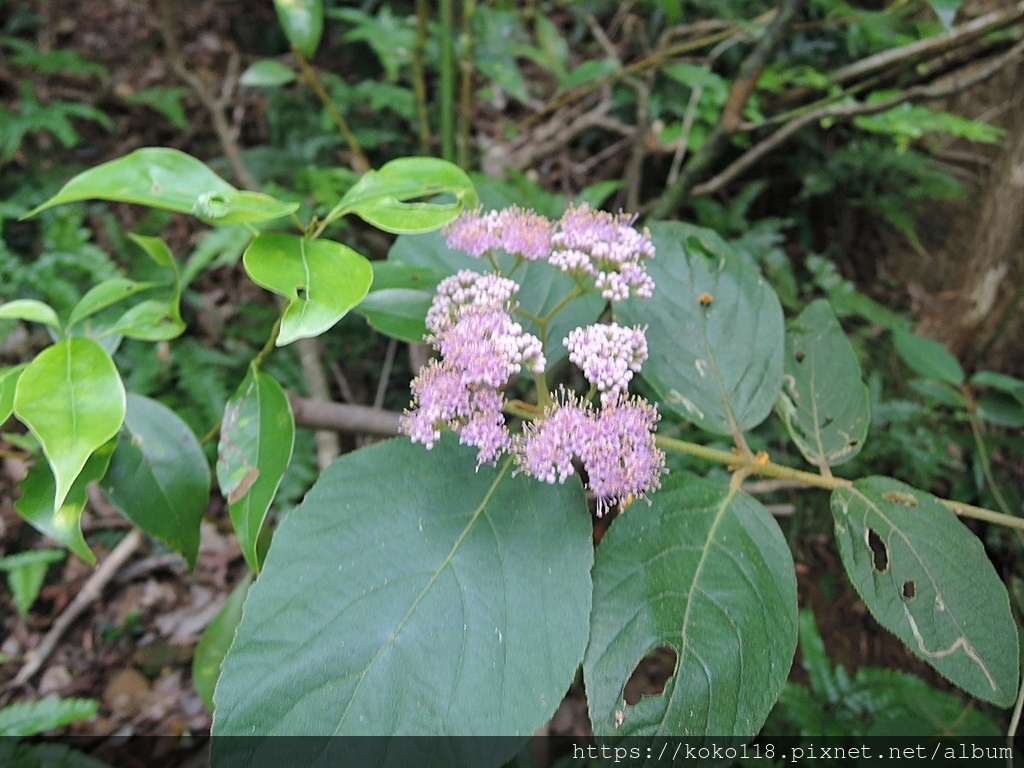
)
(385, 374)
(419, 81)
(343, 417)
(359, 162)
(90, 592)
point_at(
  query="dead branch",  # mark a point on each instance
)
(342, 417)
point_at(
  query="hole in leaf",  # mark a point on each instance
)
(909, 590)
(799, 355)
(650, 675)
(826, 421)
(879, 554)
(301, 292)
(853, 443)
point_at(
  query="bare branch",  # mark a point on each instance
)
(342, 417)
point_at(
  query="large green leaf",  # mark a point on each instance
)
(158, 476)
(72, 399)
(926, 578)
(153, 176)
(381, 197)
(398, 312)
(64, 525)
(412, 594)
(257, 435)
(322, 280)
(542, 287)
(715, 334)
(31, 310)
(103, 295)
(706, 571)
(215, 641)
(824, 402)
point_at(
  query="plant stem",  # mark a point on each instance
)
(466, 89)
(760, 465)
(359, 161)
(447, 80)
(419, 80)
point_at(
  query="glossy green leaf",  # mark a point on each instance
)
(240, 207)
(302, 22)
(928, 357)
(381, 197)
(215, 641)
(400, 556)
(29, 718)
(72, 399)
(63, 525)
(926, 578)
(398, 312)
(706, 571)
(266, 74)
(257, 435)
(160, 253)
(154, 176)
(31, 310)
(824, 402)
(158, 476)
(541, 286)
(8, 384)
(150, 320)
(715, 337)
(322, 280)
(393, 274)
(25, 574)
(103, 295)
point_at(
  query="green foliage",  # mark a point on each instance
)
(30, 718)
(25, 574)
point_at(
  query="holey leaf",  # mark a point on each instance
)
(926, 578)
(824, 403)
(72, 399)
(322, 280)
(413, 594)
(715, 334)
(257, 435)
(705, 570)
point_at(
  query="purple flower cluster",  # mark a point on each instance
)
(516, 231)
(605, 247)
(481, 348)
(608, 355)
(615, 446)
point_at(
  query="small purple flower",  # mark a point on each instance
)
(620, 456)
(517, 231)
(607, 248)
(546, 447)
(608, 355)
(468, 287)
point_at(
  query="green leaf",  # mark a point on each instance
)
(8, 384)
(158, 476)
(706, 571)
(267, 74)
(541, 286)
(588, 71)
(31, 310)
(393, 274)
(926, 578)
(25, 574)
(381, 197)
(103, 295)
(31, 717)
(150, 320)
(72, 399)
(63, 524)
(824, 402)
(1000, 381)
(928, 357)
(398, 312)
(413, 594)
(240, 207)
(161, 254)
(322, 280)
(153, 176)
(302, 22)
(1001, 409)
(715, 337)
(215, 641)
(257, 435)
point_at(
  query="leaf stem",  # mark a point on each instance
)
(759, 465)
(359, 161)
